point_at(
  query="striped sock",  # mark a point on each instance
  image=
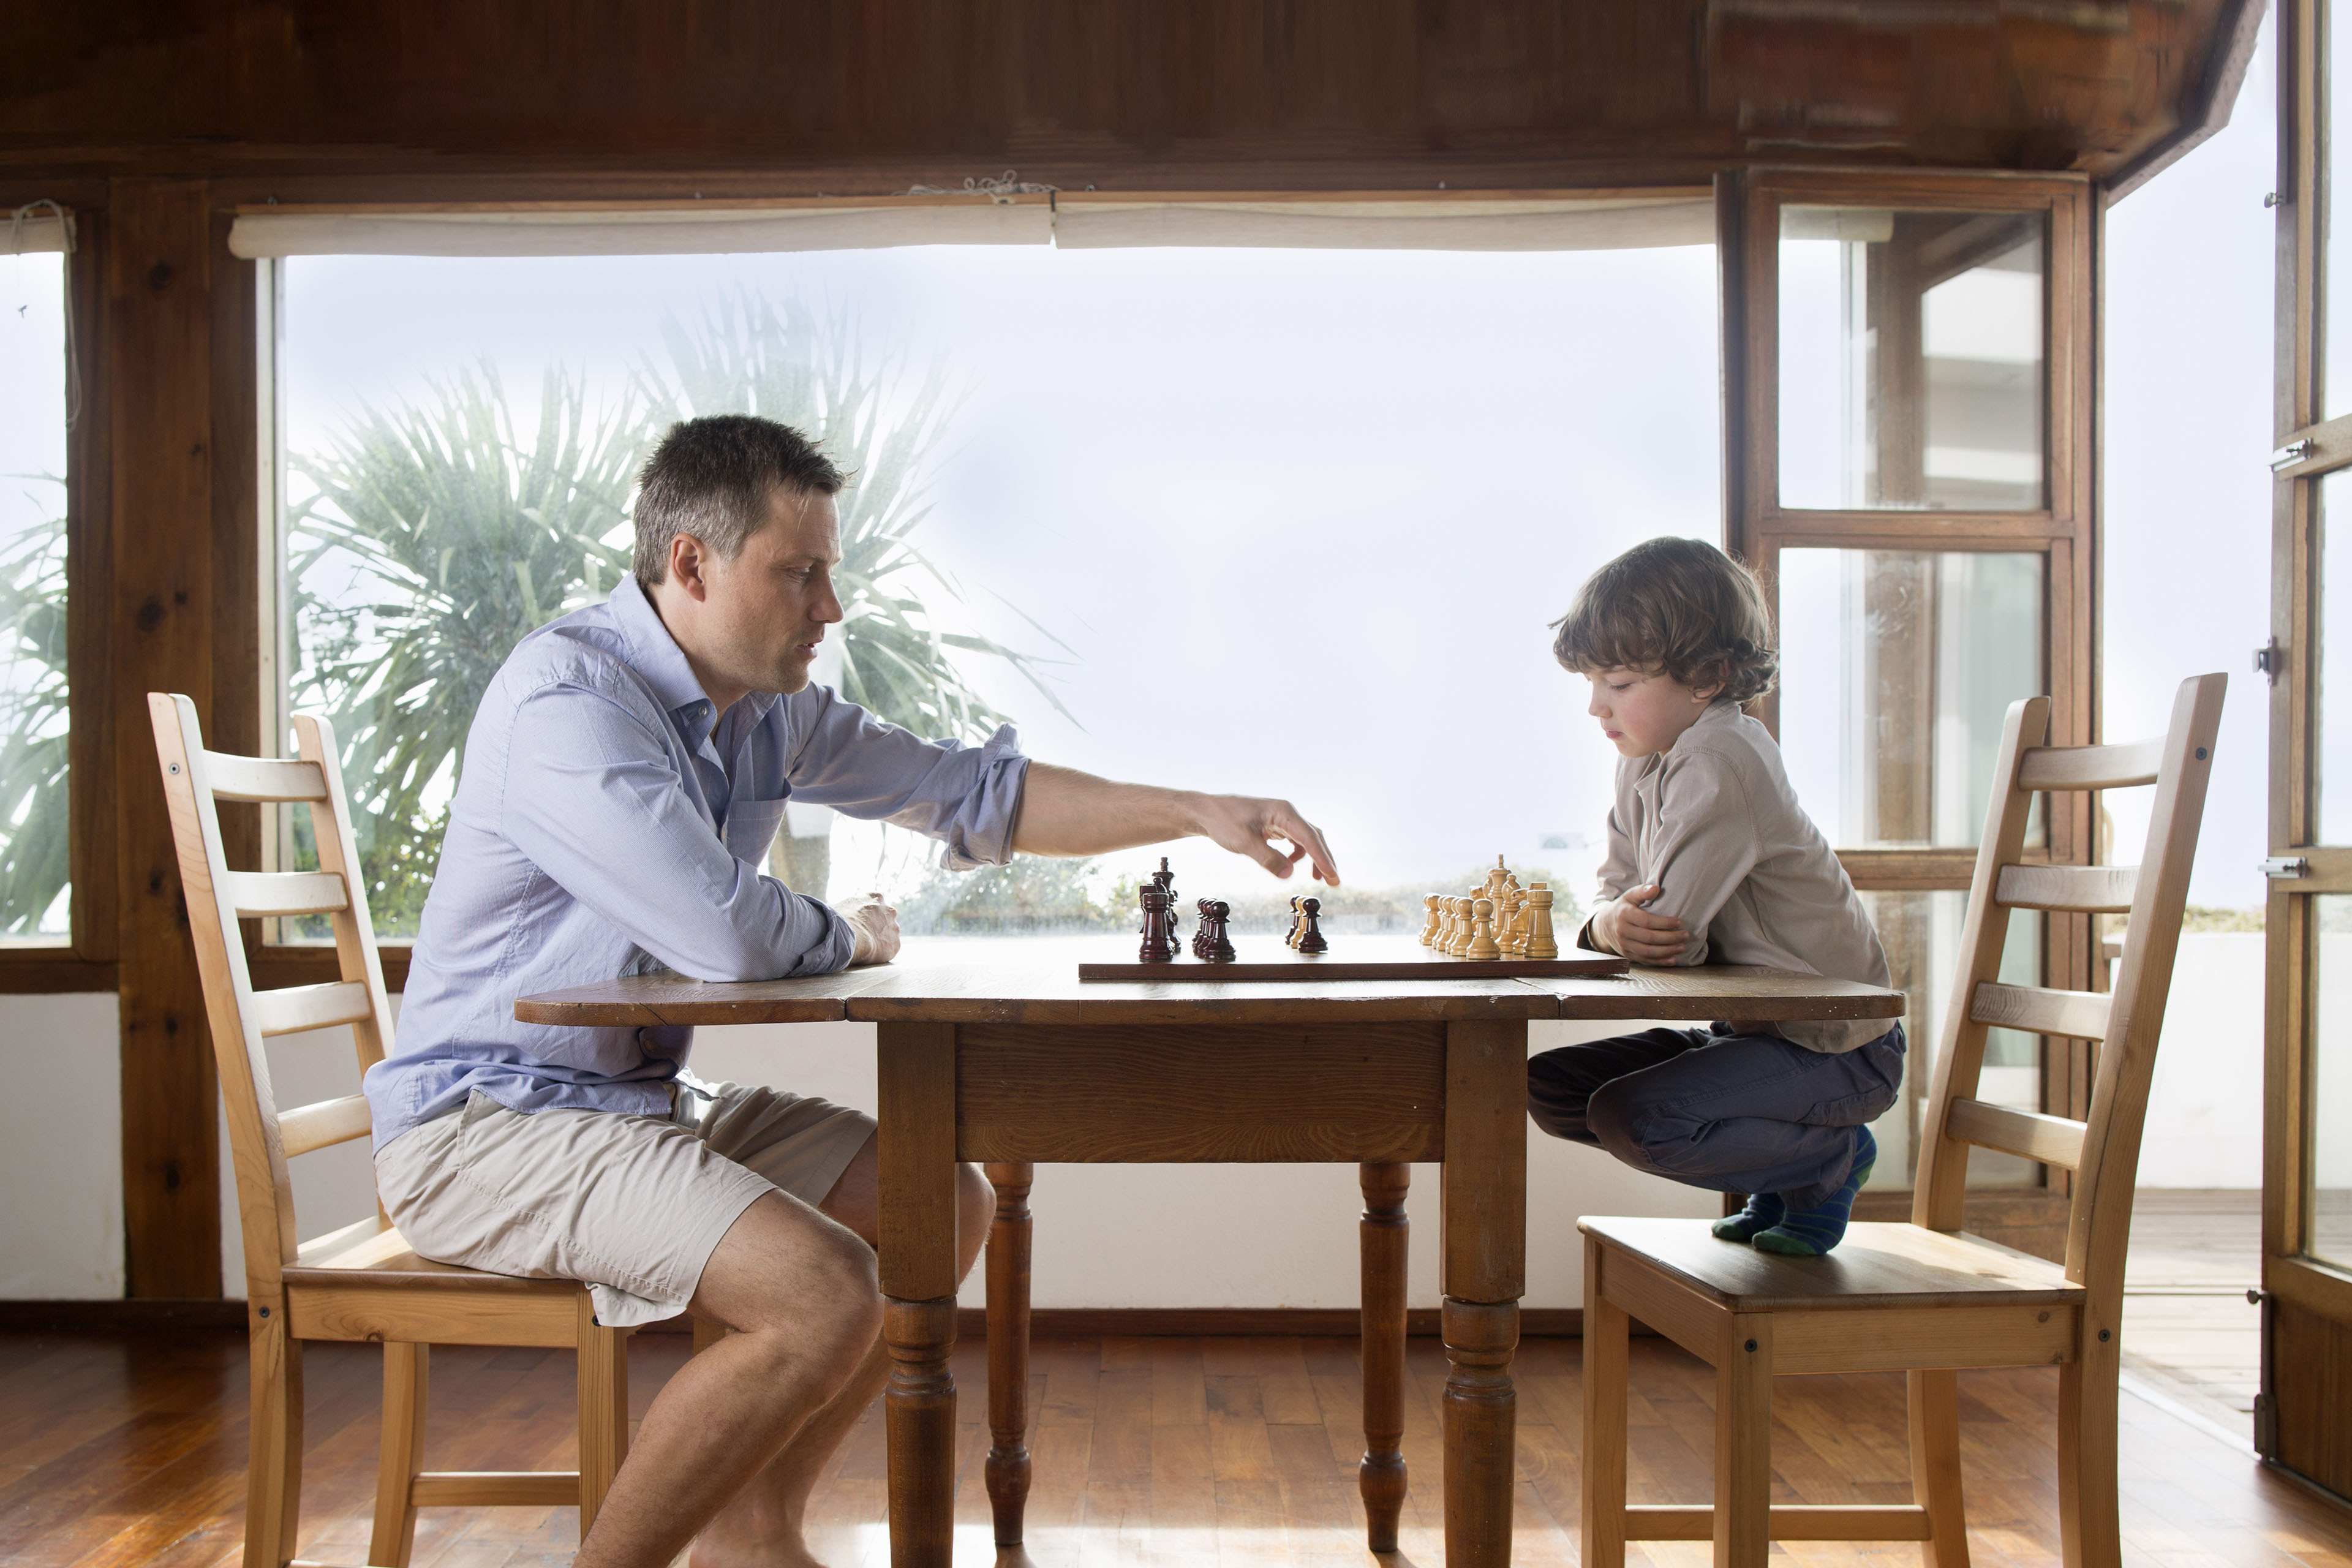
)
(1764, 1210)
(1808, 1233)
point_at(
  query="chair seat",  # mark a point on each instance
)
(1878, 1266)
(375, 1252)
(365, 1282)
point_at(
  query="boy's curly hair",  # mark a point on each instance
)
(1678, 605)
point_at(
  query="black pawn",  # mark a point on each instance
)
(1201, 932)
(1310, 934)
(1217, 947)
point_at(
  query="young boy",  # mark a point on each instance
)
(1711, 859)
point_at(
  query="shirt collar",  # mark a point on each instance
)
(655, 654)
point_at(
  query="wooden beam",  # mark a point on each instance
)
(159, 375)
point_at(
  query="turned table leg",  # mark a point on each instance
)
(1381, 1475)
(1483, 1267)
(918, 1257)
(1008, 1348)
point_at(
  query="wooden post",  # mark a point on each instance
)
(1383, 1236)
(159, 372)
(401, 1453)
(1482, 1259)
(918, 1257)
(1008, 1348)
(1743, 1444)
(1606, 1352)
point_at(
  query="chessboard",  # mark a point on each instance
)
(1262, 959)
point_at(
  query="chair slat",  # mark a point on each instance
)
(233, 777)
(2076, 1015)
(2092, 890)
(492, 1489)
(2052, 1140)
(2118, 766)
(261, 893)
(309, 1127)
(299, 1007)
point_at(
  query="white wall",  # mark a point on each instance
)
(61, 1148)
(1106, 1235)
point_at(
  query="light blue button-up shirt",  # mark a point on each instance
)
(608, 823)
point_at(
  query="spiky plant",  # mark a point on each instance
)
(34, 863)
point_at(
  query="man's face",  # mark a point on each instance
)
(767, 609)
(1643, 712)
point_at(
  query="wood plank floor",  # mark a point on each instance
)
(2190, 1334)
(129, 1451)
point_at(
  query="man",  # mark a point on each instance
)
(623, 778)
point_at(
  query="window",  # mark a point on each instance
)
(35, 869)
(1277, 520)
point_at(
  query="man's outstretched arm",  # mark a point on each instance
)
(1066, 812)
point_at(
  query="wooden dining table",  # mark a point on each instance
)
(992, 1050)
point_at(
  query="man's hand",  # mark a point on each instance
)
(1248, 827)
(1625, 926)
(874, 924)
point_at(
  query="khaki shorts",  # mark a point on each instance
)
(632, 1207)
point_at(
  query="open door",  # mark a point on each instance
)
(2303, 1418)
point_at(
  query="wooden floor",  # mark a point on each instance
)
(2190, 1334)
(1227, 1451)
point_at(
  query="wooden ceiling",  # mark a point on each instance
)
(857, 96)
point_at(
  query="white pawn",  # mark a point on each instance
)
(1482, 932)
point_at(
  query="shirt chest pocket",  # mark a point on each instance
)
(750, 824)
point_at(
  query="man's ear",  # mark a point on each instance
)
(687, 560)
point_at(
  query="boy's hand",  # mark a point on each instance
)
(1625, 926)
(874, 924)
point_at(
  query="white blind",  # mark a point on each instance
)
(690, 231)
(22, 234)
(1076, 219)
(1602, 223)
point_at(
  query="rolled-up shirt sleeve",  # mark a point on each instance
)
(965, 796)
(593, 799)
(1704, 845)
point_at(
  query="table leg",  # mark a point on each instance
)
(1383, 1236)
(917, 1258)
(1484, 1265)
(1008, 1348)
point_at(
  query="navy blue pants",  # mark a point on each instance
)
(1736, 1113)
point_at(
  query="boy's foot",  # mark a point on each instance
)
(1808, 1233)
(1764, 1211)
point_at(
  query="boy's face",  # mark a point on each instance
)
(1643, 712)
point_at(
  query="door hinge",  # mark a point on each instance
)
(2269, 660)
(2294, 452)
(2280, 868)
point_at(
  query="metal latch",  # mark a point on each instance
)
(2294, 452)
(2268, 662)
(2281, 867)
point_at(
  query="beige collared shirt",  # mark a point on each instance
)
(1712, 821)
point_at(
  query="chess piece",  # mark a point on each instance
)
(1465, 917)
(1158, 934)
(1445, 931)
(1509, 932)
(1201, 932)
(1541, 943)
(1216, 945)
(1290, 938)
(1166, 878)
(1482, 932)
(1436, 920)
(1310, 935)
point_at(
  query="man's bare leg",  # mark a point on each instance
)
(763, 1524)
(800, 1290)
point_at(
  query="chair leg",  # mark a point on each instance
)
(1606, 1348)
(401, 1455)
(273, 1495)
(1935, 1401)
(603, 1355)
(2090, 1534)
(1743, 1445)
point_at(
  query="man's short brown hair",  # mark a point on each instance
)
(711, 478)
(1676, 605)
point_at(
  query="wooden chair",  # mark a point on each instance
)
(360, 1282)
(1924, 1297)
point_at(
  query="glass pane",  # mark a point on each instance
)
(1897, 668)
(1061, 435)
(2335, 248)
(1921, 933)
(2334, 685)
(35, 867)
(2330, 1091)
(1911, 350)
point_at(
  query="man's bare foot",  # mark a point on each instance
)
(727, 1544)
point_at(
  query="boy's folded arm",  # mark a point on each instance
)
(1706, 847)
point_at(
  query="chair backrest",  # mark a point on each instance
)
(262, 1138)
(2103, 1152)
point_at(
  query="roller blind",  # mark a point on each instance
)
(1075, 219)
